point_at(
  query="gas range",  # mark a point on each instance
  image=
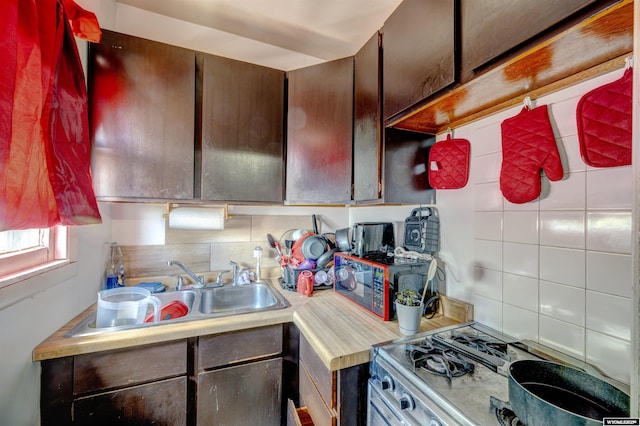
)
(456, 375)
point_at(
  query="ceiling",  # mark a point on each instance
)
(282, 34)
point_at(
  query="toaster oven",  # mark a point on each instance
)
(373, 285)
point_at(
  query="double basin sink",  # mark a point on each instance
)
(203, 303)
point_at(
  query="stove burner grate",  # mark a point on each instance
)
(482, 343)
(438, 360)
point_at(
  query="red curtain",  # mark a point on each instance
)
(45, 152)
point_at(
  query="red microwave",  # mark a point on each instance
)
(373, 285)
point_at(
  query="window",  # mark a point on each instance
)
(26, 250)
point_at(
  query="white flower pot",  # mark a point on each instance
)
(409, 318)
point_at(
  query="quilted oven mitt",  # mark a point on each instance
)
(604, 123)
(528, 145)
(449, 163)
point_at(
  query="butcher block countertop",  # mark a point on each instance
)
(339, 331)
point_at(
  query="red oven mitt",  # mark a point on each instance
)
(449, 163)
(528, 145)
(604, 123)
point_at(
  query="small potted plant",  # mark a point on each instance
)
(409, 310)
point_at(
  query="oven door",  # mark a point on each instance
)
(381, 410)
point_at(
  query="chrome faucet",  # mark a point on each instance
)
(198, 279)
(235, 268)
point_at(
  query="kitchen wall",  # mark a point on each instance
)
(557, 270)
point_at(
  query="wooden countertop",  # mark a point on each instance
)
(339, 331)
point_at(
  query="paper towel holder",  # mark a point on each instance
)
(196, 216)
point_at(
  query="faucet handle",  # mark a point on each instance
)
(180, 281)
(219, 278)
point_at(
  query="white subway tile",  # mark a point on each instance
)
(611, 355)
(610, 188)
(562, 302)
(566, 194)
(531, 205)
(487, 311)
(610, 273)
(487, 197)
(486, 168)
(521, 259)
(563, 116)
(609, 231)
(521, 227)
(487, 283)
(487, 225)
(609, 314)
(520, 291)
(562, 229)
(560, 335)
(563, 266)
(488, 254)
(486, 139)
(520, 323)
(571, 145)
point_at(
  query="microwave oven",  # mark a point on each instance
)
(373, 285)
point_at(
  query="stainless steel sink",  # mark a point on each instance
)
(204, 303)
(238, 299)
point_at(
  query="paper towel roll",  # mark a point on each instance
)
(205, 218)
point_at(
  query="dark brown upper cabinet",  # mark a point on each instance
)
(490, 28)
(242, 131)
(141, 109)
(367, 131)
(418, 53)
(319, 133)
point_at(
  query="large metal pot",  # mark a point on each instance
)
(543, 393)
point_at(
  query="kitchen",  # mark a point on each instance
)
(487, 245)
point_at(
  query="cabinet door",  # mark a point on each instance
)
(366, 122)
(319, 133)
(242, 131)
(248, 394)
(141, 106)
(161, 403)
(419, 52)
(492, 27)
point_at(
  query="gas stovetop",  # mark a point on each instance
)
(456, 375)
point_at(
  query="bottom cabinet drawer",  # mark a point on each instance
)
(161, 403)
(312, 399)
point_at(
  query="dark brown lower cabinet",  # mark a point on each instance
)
(248, 394)
(145, 385)
(158, 403)
(233, 378)
(331, 397)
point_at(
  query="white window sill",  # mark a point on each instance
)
(19, 286)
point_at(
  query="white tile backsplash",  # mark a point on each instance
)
(520, 291)
(487, 168)
(609, 231)
(566, 194)
(563, 266)
(521, 227)
(487, 225)
(562, 302)
(563, 336)
(488, 283)
(487, 197)
(565, 258)
(611, 355)
(609, 314)
(601, 195)
(519, 322)
(488, 254)
(610, 273)
(521, 259)
(562, 229)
